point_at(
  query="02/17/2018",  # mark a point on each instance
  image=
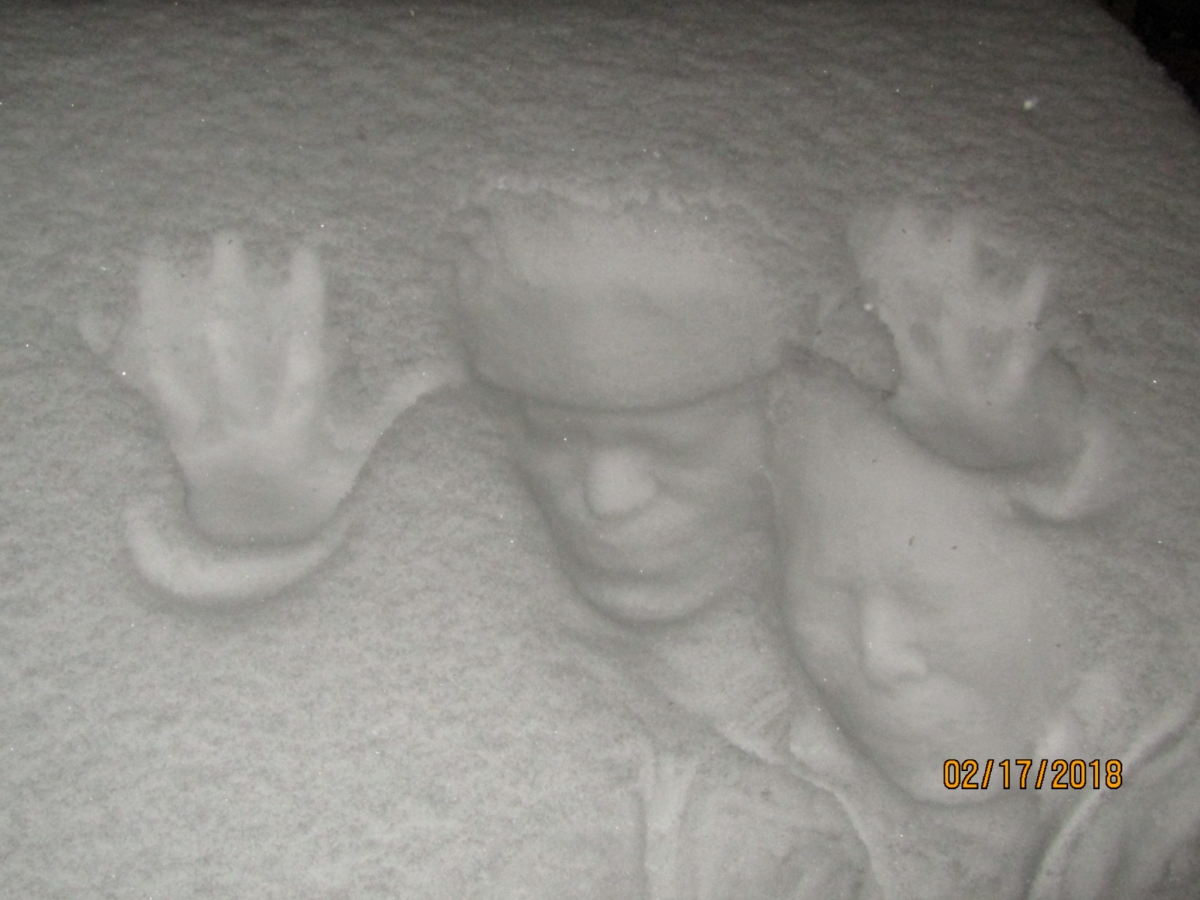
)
(1073, 774)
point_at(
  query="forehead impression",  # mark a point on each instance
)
(685, 427)
(638, 427)
(682, 423)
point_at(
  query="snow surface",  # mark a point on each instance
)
(400, 724)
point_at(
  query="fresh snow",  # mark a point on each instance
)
(402, 723)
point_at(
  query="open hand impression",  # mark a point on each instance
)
(239, 374)
(978, 384)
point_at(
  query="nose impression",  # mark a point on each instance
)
(618, 483)
(888, 657)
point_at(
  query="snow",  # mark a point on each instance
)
(403, 723)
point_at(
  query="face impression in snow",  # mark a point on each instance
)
(926, 611)
(647, 506)
(635, 334)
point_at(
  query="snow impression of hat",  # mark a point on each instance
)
(637, 305)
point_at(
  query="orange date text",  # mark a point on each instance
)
(1023, 774)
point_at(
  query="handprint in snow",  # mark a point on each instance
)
(979, 382)
(239, 375)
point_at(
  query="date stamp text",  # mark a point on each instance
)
(1022, 774)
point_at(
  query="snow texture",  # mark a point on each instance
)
(401, 723)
